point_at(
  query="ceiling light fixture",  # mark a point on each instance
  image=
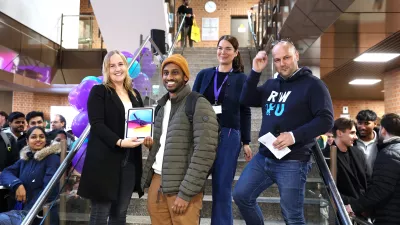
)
(376, 57)
(364, 81)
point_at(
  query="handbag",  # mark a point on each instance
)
(195, 33)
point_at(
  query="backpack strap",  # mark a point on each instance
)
(6, 140)
(190, 106)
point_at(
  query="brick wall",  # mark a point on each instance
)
(28, 101)
(86, 8)
(225, 9)
(357, 105)
(392, 91)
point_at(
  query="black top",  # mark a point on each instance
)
(351, 174)
(188, 20)
(7, 158)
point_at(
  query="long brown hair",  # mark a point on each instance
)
(237, 63)
(106, 69)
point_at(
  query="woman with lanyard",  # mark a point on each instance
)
(222, 86)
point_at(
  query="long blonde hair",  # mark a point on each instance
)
(106, 69)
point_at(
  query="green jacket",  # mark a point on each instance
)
(189, 153)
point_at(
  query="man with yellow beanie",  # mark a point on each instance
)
(183, 150)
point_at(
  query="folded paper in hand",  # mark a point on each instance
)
(267, 140)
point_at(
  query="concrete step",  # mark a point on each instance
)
(270, 207)
(83, 219)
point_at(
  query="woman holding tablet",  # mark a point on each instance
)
(222, 86)
(113, 164)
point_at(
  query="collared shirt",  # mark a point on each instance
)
(370, 150)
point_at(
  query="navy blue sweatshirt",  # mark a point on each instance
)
(301, 104)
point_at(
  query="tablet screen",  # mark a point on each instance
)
(139, 123)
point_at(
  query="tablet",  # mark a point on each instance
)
(140, 123)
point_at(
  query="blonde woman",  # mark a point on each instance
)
(113, 164)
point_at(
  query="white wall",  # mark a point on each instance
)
(122, 21)
(44, 17)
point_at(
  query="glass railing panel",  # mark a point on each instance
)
(81, 32)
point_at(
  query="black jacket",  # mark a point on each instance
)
(7, 158)
(383, 194)
(101, 171)
(351, 183)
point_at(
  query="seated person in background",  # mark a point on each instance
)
(351, 166)
(28, 177)
(383, 194)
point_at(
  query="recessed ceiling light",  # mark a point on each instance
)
(364, 81)
(376, 57)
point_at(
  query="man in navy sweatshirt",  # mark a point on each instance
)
(297, 108)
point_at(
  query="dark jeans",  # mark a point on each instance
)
(115, 211)
(261, 173)
(222, 176)
(185, 34)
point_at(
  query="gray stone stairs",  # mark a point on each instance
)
(316, 207)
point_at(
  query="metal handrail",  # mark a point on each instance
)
(336, 200)
(249, 18)
(64, 165)
(171, 50)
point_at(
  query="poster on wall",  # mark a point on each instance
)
(210, 29)
(68, 112)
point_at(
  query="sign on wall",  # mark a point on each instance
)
(210, 29)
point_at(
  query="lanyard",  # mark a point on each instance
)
(218, 91)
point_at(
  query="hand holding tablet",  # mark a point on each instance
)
(131, 142)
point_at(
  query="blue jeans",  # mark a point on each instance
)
(262, 172)
(115, 212)
(222, 176)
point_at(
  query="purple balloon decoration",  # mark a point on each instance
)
(79, 158)
(73, 97)
(142, 83)
(127, 54)
(101, 78)
(79, 123)
(149, 69)
(145, 57)
(84, 91)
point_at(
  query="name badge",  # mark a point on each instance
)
(217, 109)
